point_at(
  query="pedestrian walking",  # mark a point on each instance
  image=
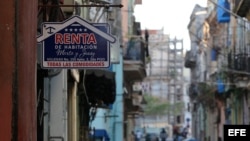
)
(132, 136)
(163, 135)
(138, 135)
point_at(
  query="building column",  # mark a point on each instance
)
(18, 70)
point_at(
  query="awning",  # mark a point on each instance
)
(100, 87)
(101, 133)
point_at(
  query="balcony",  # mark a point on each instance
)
(190, 61)
(134, 60)
(193, 91)
(239, 62)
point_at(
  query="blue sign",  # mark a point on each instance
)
(75, 43)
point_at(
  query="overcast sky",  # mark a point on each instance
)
(172, 15)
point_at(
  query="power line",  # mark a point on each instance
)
(227, 10)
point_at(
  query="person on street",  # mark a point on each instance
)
(138, 135)
(177, 134)
(133, 136)
(163, 135)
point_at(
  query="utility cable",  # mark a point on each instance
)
(227, 10)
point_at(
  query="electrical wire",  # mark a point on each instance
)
(84, 88)
(227, 10)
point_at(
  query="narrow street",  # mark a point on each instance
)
(125, 70)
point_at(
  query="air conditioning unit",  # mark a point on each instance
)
(68, 9)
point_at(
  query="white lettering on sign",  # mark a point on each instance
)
(75, 64)
(236, 132)
(73, 38)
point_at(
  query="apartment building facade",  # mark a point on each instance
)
(218, 61)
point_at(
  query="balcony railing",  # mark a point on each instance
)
(135, 50)
(193, 90)
(238, 59)
(239, 62)
(190, 61)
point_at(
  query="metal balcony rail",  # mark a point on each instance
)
(135, 50)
